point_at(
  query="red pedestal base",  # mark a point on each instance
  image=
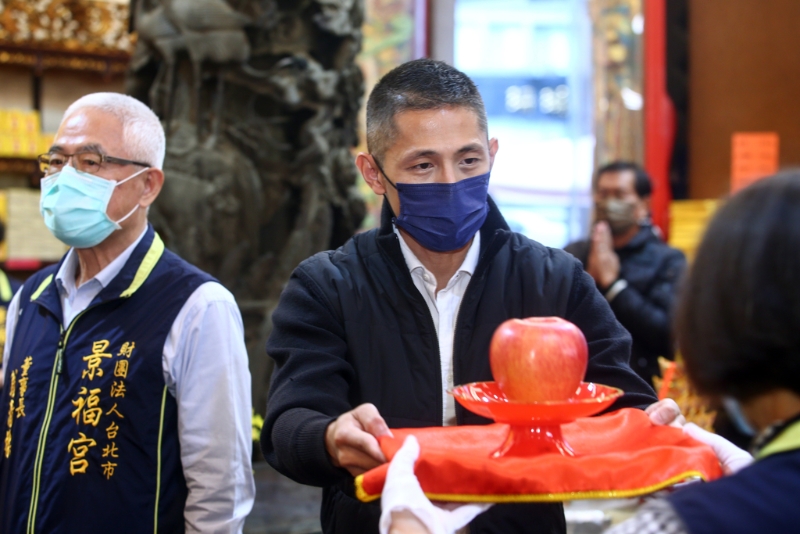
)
(534, 440)
(535, 428)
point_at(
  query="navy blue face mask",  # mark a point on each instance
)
(442, 217)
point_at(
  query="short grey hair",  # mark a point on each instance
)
(142, 132)
(421, 84)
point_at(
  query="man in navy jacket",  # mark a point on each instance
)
(370, 336)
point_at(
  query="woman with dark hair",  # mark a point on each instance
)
(738, 327)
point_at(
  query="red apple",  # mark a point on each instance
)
(538, 359)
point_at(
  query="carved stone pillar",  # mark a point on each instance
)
(260, 101)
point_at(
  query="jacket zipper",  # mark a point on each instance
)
(48, 415)
(479, 269)
(456, 344)
(436, 339)
(441, 378)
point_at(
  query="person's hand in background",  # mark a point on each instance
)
(603, 262)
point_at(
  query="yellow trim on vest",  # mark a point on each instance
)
(5, 287)
(42, 287)
(363, 496)
(37, 464)
(146, 267)
(158, 452)
(788, 440)
(48, 415)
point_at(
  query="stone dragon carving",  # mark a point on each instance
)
(259, 99)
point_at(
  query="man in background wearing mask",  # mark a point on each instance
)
(372, 335)
(127, 399)
(633, 268)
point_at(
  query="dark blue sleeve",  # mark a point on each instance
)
(310, 384)
(648, 316)
(609, 343)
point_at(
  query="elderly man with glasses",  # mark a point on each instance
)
(127, 399)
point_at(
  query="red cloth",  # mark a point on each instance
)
(621, 454)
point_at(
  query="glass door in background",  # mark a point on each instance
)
(531, 60)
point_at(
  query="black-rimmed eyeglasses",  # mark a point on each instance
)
(88, 162)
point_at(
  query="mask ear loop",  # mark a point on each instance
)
(131, 177)
(377, 164)
(136, 207)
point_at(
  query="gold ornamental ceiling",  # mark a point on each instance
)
(72, 34)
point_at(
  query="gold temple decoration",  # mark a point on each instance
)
(688, 221)
(71, 34)
(617, 44)
(18, 166)
(675, 385)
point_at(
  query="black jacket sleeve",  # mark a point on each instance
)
(648, 316)
(579, 249)
(310, 384)
(609, 343)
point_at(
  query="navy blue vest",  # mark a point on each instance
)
(90, 430)
(764, 497)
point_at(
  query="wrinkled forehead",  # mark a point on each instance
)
(93, 148)
(441, 130)
(463, 119)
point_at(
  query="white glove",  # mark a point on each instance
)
(730, 457)
(403, 492)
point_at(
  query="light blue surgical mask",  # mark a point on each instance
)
(74, 204)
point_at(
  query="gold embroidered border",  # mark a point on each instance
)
(363, 496)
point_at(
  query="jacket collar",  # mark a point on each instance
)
(134, 273)
(642, 237)
(780, 437)
(65, 276)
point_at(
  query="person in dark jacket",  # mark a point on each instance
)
(633, 268)
(371, 336)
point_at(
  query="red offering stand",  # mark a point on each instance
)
(534, 428)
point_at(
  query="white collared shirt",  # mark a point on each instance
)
(444, 307)
(75, 300)
(205, 367)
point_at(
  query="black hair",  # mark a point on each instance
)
(738, 318)
(421, 84)
(642, 183)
